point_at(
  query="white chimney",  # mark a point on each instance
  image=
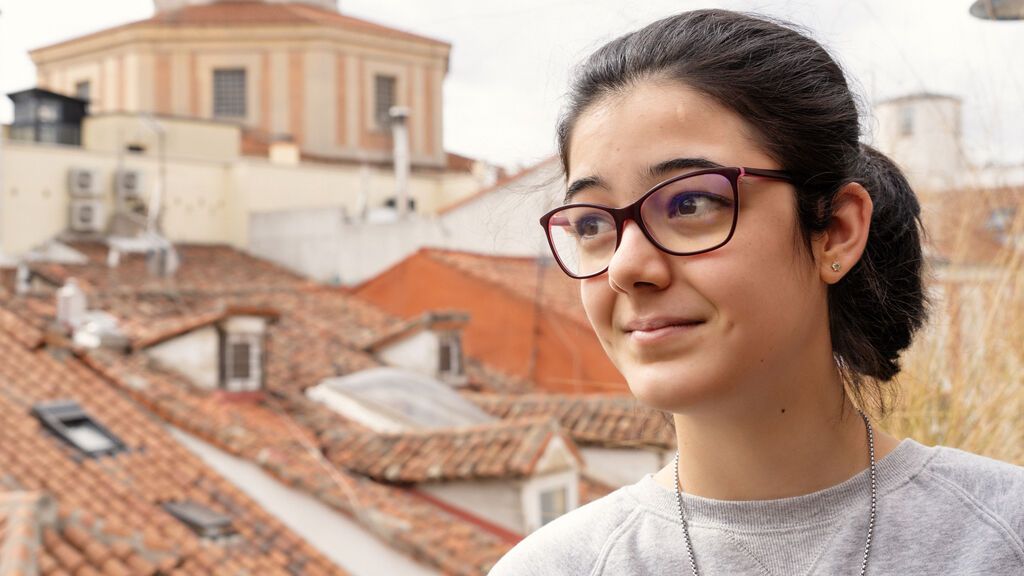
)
(71, 305)
(22, 279)
(400, 135)
(284, 151)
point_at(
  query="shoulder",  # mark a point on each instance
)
(572, 543)
(994, 488)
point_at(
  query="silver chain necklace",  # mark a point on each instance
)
(871, 521)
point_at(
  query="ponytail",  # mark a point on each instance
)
(877, 307)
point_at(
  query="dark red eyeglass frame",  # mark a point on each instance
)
(632, 212)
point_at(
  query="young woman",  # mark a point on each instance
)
(754, 270)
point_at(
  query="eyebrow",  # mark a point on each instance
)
(659, 170)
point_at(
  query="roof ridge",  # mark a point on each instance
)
(497, 185)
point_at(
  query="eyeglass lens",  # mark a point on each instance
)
(685, 216)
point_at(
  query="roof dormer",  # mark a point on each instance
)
(219, 351)
(430, 344)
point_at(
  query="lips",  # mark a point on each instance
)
(651, 333)
(655, 323)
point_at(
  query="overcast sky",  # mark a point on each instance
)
(510, 59)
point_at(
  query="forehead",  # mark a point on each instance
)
(619, 137)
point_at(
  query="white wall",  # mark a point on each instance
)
(203, 200)
(622, 466)
(37, 201)
(505, 220)
(327, 246)
(419, 353)
(194, 354)
(497, 501)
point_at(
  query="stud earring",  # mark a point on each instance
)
(836, 266)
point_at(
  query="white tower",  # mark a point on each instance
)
(922, 133)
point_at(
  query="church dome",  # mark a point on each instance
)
(171, 5)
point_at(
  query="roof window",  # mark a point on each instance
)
(203, 521)
(72, 424)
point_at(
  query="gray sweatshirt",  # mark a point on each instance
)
(940, 511)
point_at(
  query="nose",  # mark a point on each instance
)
(637, 263)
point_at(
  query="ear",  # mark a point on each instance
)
(842, 243)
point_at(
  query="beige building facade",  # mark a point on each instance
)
(225, 111)
(196, 183)
(299, 70)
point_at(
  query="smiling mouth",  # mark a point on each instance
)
(658, 334)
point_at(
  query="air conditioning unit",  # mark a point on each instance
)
(128, 184)
(87, 216)
(83, 183)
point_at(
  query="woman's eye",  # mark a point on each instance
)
(696, 204)
(591, 226)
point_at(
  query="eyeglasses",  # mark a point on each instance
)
(689, 214)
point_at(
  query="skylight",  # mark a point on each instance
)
(203, 521)
(72, 424)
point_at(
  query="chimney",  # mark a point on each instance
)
(400, 135)
(71, 305)
(283, 150)
(22, 279)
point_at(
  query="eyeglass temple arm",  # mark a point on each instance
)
(765, 173)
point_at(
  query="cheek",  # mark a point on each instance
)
(598, 301)
(764, 294)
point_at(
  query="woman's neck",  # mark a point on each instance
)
(792, 441)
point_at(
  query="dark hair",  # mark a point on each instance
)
(796, 99)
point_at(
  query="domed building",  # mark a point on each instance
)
(296, 70)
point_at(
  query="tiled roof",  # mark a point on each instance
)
(20, 526)
(960, 225)
(425, 321)
(483, 378)
(317, 332)
(559, 294)
(275, 434)
(602, 420)
(504, 450)
(320, 332)
(204, 268)
(256, 13)
(110, 508)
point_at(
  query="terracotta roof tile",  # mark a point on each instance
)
(266, 434)
(109, 508)
(318, 332)
(487, 451)
(559, 294)
(975, 226)
(204, 268)
(603, 420)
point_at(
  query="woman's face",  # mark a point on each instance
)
(747, 309)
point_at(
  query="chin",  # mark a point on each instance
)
(669, 388)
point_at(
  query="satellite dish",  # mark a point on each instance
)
(998, 9)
